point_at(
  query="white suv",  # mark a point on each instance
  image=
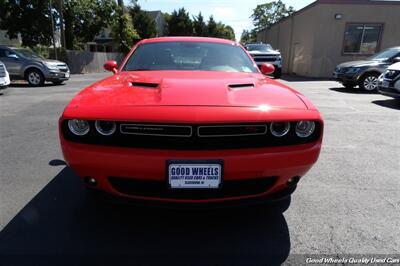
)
(4, 76)
(389, 81)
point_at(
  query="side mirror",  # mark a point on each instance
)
(267, 69)
(396, 59)
(111, 65)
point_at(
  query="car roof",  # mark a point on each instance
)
(187, 39)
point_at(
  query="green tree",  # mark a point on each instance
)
(265, 15)
(248, 36)
(31, 19)
(84, 19)
(225, 32)
(199, 25)
(125, 36)
(211, 27)
(144, 25)
(179, 23)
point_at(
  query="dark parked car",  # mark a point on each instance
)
(23, 64)
(365, 73)
(264, 54)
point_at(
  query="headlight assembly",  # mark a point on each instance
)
(353, 70)
(304, 129)
(79, 127)
(105, 128)
(279, 129)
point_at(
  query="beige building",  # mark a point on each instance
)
(325, 33)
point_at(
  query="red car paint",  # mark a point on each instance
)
(189, 97)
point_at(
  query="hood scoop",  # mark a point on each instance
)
(241, 86)
(145, 85)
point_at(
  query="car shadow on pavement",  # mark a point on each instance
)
(62, 225)
(351, 91)
(301, 78)
(26, 85)
(389, 103)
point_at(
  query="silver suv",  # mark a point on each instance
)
(264, 53)
(23, 64)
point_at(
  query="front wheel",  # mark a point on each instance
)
(369, 82)
(35, 77)
(277, 73)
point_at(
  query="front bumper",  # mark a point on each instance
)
(345, 78)
(391, 92)
(57, 75)
(4, 81)
(102, 163)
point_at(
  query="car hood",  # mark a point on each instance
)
(189, 88)
(51, 61)
(395, 66)
(272, 52)
(360, 63)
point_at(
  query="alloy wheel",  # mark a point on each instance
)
(370, 83)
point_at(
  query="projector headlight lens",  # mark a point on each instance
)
(79, 127)
(279, 129)
(304, 129)
(105, 128)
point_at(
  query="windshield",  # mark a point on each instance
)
(385, 54)
(26, 53)
(258, 47)
(190, 56)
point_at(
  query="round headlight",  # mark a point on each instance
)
(79, 127)
(105, 128)
(279, 129)
(304, 129)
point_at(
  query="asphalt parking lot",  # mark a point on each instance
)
(349, 203)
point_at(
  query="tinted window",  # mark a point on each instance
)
(190, 56)
(385, 54)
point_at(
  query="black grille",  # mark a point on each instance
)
(2, 71)
(160, 189)
(265, 59)
(194, 142)
(231, 130)
(156, 130)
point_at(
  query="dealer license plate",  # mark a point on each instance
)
(385, 84)
(193, 175)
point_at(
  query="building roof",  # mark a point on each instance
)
(341, 2)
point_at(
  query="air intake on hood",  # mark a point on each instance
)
(238, 86)
(145, 85)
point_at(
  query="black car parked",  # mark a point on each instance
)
(365, 73)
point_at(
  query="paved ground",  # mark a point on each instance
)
(349, 203)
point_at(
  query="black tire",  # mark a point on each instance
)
(58, 82)
(34, 77)
(369, 82)
(277, 73)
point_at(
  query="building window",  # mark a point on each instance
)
(361, 38)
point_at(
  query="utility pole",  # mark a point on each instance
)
(60, 4)
(52, 28)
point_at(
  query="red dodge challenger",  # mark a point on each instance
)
(190, 120)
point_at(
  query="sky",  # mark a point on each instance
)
(235, 13)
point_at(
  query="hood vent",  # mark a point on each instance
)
(145, 85)
(240, 86)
